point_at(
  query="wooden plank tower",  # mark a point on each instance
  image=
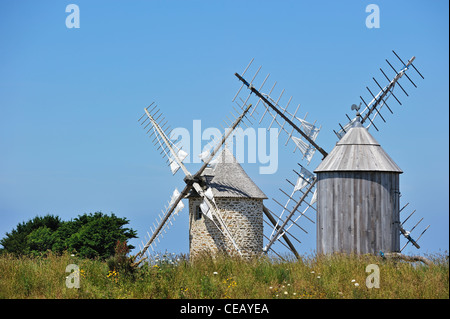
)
(358, 197)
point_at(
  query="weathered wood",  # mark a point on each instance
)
(285, 237)
(288, 218)
(358, 197)
(358, 151)
(282, 115)
(357, 212)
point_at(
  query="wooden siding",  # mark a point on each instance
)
(358, 212)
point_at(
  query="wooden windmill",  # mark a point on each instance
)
(355, 191)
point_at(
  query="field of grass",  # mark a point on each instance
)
(173, 277)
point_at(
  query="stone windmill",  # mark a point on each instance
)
(239, 204)
(196, 183)
(225, 207)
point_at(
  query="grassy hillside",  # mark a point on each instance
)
(313, 277)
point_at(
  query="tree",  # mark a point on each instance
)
(18, 241)
(89, 235)
(40, 240)
(97, 234)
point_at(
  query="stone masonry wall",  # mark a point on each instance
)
(244, 219)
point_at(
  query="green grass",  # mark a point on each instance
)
(310, 278)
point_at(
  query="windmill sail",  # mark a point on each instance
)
(408, 234)
(306, 149)
(174, 166)
(373, 109)
(176, 156)
(282, 117)
(303, 134)
(283, 227)
(305, 177)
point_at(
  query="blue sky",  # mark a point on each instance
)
(70, 142)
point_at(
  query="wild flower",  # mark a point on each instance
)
(230, 285)
(113, 275)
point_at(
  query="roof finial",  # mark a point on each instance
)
(356, 108)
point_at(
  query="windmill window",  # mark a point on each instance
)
(198, 213)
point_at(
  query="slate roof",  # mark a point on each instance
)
(229, 179)
(358, 151)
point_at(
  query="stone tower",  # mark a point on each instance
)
(240, 205)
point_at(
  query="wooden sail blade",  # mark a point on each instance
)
(208, 159)
(282, 115)
(174, 154)
(173, 205)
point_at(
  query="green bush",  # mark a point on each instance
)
(89, 236)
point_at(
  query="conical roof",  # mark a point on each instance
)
(228, 179)
(358, 151)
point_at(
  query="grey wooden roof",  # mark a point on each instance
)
(358, 151)
(229, 179)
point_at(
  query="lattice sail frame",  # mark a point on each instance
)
(371, 111)
(175, 156)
